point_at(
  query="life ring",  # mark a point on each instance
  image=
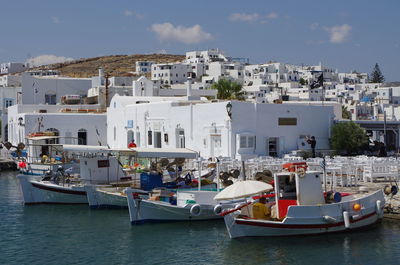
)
(218, 209)
(295, 166)
(301, 171)
(195, 210)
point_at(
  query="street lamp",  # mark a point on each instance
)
(229, 109)
(20, 121)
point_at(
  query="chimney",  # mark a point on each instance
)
(101, 72)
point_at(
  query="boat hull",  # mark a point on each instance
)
(42, 192)
(142, 211)
(98, 198)
(307, 220)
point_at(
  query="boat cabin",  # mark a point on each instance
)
(297, 188)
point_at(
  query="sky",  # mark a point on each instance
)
(345, 35)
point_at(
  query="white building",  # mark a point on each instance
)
(251, 130)
(84, 122)
(11, 68)
(170, 73)
(143, 67)
(43, 87)
(207, 56)
(10, 81)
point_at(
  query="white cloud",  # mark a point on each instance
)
(272, 15)
(129, 13)
(47, 59)
(163, 51)
(255, 17)
(339, 34)
(244, 17)
(55, 20)
(187, 35)
(314, 26)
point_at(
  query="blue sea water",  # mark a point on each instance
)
(60, 234)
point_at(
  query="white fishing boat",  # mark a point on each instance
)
(163, 205)
(38, 191)
(63, 185)
(181, 206)
(299, 207)
(144, 169)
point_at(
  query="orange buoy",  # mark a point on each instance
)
(356, 207)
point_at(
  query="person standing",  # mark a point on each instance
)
(312, 142)
(132, 144)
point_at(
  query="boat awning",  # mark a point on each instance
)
(138, 152)
(85, 148)
(40, 138)
(160, 152)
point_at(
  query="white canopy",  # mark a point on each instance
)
(162, 152)
(137, 151)
(85, 148)
(242, 189)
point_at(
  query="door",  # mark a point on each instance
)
(272, 146)
(180, 139)
(157, 139)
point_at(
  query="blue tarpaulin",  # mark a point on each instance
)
(365, 99)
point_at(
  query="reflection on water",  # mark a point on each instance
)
(43, 234)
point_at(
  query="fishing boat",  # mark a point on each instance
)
(176, 203)
(145, 169)
(65, 185)
(299, 207)
(189, 205)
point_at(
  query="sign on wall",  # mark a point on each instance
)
(130, 124)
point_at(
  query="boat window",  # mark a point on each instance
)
(287, 187)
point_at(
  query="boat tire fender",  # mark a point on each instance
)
(379, 210)
(195, 210)
(218, 209)
(329, 219)
(346, 219)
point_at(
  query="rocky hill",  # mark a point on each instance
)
(114, 65)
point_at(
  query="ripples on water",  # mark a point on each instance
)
(60, 234)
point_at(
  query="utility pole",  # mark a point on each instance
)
(106, 76)
(384, 127)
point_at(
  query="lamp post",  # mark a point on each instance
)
(20, 123)
(229, 111)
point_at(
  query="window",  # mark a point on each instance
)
(8, 102)
(115, 133)
(150, 137)
(138, 139)
(50, 99)
(130, 136)
(68, 138)
(82, 137)
(247, 141)
(287, 121)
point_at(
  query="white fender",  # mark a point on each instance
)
(195, 210)
(329, 219)
(346, 218)
(218, 209)
(379, 210)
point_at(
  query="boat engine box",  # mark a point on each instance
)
(149, 181)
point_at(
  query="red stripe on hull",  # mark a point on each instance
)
(60, 203)
(300, 226)
(75, 192)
